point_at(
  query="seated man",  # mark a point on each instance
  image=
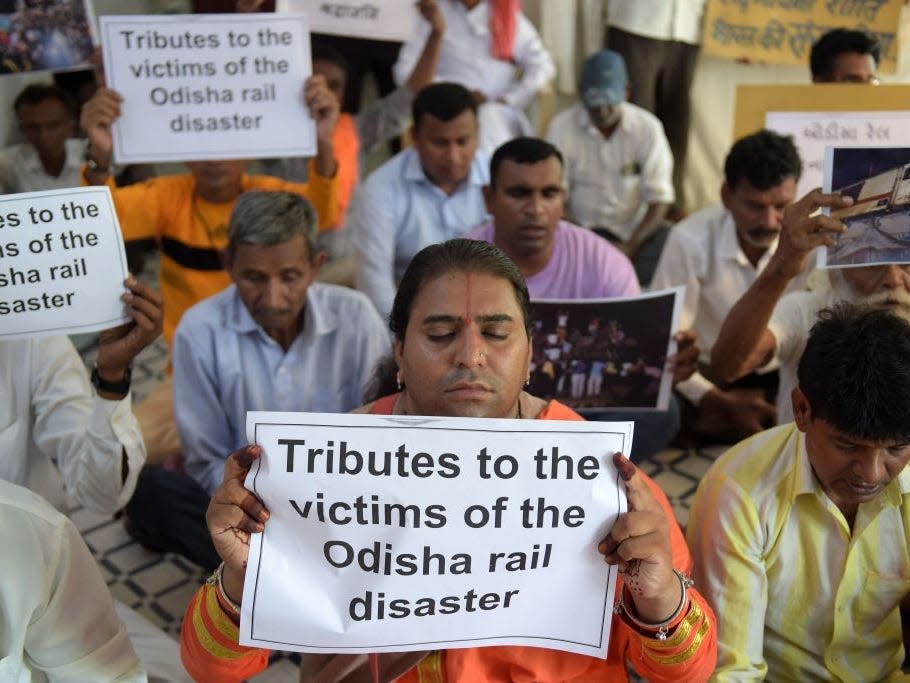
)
(58, 616)
(799, 533)
(763, 327)
(274, 340)
(428, 193)
(357, 135)
(60, 437)
(494, 348)
(620, 169)
(491, 49)
(559, 260)
(50, 157)
(845, 56)
(187, 215)
(717, 253)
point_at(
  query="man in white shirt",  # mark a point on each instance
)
(59, 437)
(50, 158)
(427, 194)
(58, 616)
(504, 70)
(619, 167)
(659, 41)
(273, 340)
(766, 325)
(717, 253)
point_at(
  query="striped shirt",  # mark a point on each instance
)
(798, 595)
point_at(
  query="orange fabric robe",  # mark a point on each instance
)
(209, 649)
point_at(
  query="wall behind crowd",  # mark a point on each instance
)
(572, 29)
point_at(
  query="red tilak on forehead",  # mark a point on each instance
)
(468, 318)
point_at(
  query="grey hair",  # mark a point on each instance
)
(270, 218)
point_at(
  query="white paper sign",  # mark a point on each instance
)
(62, 263)
(813, 131)
(209, 86)
(412, 533)
(379, 20)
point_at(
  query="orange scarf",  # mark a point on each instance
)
(503, 27)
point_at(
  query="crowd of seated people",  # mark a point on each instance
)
(784, 571)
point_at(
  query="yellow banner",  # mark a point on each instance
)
(782, 31)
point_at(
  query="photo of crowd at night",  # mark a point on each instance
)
(601, 354)
(43, 34)
(878, 223)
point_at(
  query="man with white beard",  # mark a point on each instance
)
(766, 325)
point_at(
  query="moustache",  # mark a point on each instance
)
(267, 312)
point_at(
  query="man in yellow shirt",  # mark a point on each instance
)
(187, 215)
(800, 533)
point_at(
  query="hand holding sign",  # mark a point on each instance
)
(325, 110)
(684, 362)
(98, 114)
(429, 10)
(233, 514)
(639, 543)
(804, 230)
(118, 346)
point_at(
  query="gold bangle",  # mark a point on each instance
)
(661, 629)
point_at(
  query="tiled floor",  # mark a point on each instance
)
(160, 586)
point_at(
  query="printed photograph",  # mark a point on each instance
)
(878, 223)
(43, 34)
(609, 354)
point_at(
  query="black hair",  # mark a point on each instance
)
(855, 372)
(523, 151)
(457, 255)
(835, 43)
(443, 101)
(322, 51)
(36, 93)
(765, 159)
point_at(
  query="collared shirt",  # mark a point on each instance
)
(21, 169)
(58, 616)
(798, 595)
(59, 438)
(703, 254)
(465, 56)
(225, 364)
(354, 138)
(613, 180)
(678, 20)
(583, 266)
(397, 212)
(790, 323)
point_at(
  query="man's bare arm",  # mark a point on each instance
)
(745, 343)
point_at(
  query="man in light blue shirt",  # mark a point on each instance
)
(273, 340)
(427, 194)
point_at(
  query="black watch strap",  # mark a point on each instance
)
(121, 387)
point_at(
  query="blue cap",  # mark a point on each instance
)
(603, 79)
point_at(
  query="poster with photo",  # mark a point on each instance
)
(605, 354)
(37, 35)
(878, 222)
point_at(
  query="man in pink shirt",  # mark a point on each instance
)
(559, 260)
(525, 198)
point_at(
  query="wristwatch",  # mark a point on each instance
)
(120, 387)
(93, 165)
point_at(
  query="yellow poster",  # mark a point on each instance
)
(782, 31)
